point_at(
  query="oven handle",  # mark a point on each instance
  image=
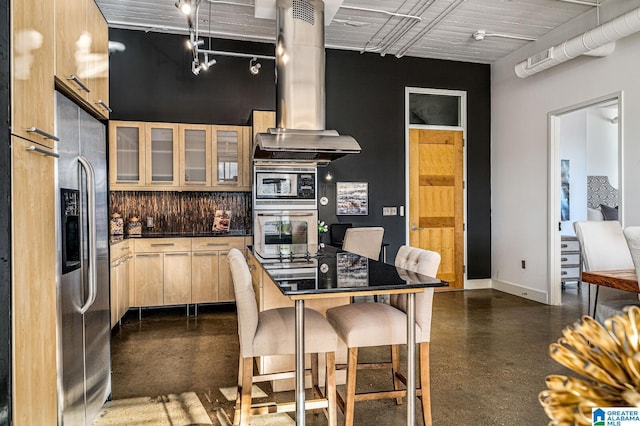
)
(284, 213)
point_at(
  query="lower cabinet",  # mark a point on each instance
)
(120, 279)
(180, 271)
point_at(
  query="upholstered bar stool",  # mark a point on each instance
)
(271, 332)
(379, 324)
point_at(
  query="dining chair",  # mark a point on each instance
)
(604, 247)
(380, 324)
(270, 332)
(365, 241)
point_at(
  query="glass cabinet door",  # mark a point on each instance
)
(229, 151)
(195, 155)
(162, 154)
(127, 165)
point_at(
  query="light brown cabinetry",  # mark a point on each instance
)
(121, 261)
(82, 55)
(32, 48)
(161, 265)
(33, 296)
(211, 273)
(126, 154)
(162, 154)
(169, 157)
(195, 155)
(231, 157)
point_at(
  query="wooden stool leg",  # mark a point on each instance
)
(314, 375)
(236, 414)
(425, 383)
(395, 368)
(352, 367)
(330, 387)
(245, 391)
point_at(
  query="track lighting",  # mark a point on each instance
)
(254, 68)
(184, 6)
(482, 34)
(207, 63)
(192, 43)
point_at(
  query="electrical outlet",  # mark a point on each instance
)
(389, 211)
(524, 264)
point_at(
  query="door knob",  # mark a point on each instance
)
(415, 228)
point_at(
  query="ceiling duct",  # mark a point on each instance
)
(599, 41)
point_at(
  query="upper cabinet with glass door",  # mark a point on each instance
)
(231, 157)
(195, 155)
(126, 154)
(162, 154)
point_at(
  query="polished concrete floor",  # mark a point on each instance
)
(488, 359)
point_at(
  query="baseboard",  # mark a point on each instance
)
(518, 290)
(477, 284)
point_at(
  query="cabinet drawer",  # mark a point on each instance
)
(161, 245)
(569, 259)
(120, 250)
(569, 245)
(570, 273)
(217, 243)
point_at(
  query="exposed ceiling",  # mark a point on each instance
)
(441, 29)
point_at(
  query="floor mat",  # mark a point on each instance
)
(170, 410)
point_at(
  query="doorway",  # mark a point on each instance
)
(585, 172)
(435, 169)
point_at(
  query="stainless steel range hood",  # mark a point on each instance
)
(300, 94)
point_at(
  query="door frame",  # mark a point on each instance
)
(462, 94)
(553, 212)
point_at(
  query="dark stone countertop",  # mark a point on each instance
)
(114, 239)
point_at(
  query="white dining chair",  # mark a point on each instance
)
(271, 332)
(379, 324)
(604, 247)
(365, 241)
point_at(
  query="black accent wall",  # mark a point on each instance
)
(5, 218)
(365, 98)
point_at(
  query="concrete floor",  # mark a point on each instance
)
(488, 358)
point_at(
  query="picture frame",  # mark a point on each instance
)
(352, 198)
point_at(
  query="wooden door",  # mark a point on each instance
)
(73, 45)
(436, 199)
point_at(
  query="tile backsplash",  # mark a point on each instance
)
(182, 212)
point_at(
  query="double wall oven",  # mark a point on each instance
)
(285, 210)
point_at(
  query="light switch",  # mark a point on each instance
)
(389, 211)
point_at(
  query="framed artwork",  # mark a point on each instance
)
(352, 198)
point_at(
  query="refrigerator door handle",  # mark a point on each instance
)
(91, 218)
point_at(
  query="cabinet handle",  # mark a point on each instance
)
(564, 245)
(217, 244)
(42, 133)
(103, 105)
(224, 252)
(79, 82)
(148, 255)
(251, 267)
(162, 244)
(204, 254)
(42, 151)
(177, 254)
(563, 273)
(564, 259)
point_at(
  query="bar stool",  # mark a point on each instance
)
(379, 324)
(270, 332)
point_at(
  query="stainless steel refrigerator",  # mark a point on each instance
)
(84, 353)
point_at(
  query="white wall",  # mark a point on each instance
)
(519, 151)
(602, 144)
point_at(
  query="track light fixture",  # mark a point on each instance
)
(184, 6)
(207, 63)
(254, 66)
(482, 34)
(192, 43)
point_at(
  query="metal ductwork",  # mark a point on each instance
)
(300, 91)
(599, 41)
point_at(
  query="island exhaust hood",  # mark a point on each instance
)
(300, 134)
